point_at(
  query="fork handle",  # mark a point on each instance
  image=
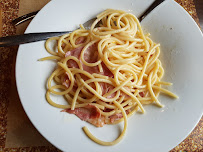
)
(24, 18)
(151, 7)
(26, 38)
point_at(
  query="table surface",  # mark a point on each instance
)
(199, 8)
(17, 132)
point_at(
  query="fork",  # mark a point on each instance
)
(34, 37)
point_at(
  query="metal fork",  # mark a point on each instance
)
(24, 18)
(33, 37)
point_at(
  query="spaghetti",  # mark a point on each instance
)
(106, 73)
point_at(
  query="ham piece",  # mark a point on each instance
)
(118, 116)
(115, 117)
(89, 113)
(65, 80)
(90, 56)
(141, 94)
(80, 40)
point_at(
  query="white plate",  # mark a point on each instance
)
(160, 129)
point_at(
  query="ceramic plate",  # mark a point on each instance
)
(160, 129)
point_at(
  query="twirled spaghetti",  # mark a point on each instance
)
(108, 72)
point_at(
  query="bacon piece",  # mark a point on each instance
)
(106, 71)
(66, 84)
(90, 56)
(89, 113)
(107, 109)
(115, 117)
(100, 122)
(107, 88)
(63, 45)
(124, 94)
(118, 116)
(85, 113)
(75, 52)
(141, 94)
(65, 80)
(80, 40)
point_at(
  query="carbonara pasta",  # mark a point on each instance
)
(108, 72)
